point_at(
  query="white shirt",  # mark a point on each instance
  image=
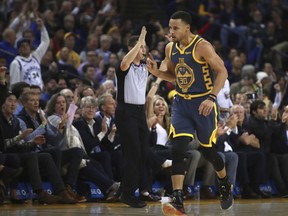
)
(162, 135)
(28, 69)
(223, 97)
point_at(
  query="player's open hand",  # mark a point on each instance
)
(151, 63)
(206, 107)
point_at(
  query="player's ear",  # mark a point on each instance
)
(188, 27)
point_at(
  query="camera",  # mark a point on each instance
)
(251, 96)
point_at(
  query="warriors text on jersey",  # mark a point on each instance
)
(30, 70)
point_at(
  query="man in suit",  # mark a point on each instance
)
(92, 134)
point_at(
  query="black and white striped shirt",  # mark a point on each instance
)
(131, 84)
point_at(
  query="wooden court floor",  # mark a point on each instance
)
(261, 207)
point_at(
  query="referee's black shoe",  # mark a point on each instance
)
(132, 201)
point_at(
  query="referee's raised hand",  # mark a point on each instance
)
(142, 36)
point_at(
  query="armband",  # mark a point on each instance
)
(212, 97)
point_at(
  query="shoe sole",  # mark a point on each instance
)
(169, 210)
(227, 204)
(132, 205)
(149, 199)
(82, 201)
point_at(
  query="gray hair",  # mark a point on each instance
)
(105, 37)
(102, 99)
(107, 82)
(88, 100)
(249, 71)
(65, 91)
(235, 106)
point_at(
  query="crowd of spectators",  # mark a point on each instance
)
(73, 48)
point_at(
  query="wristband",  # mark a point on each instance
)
(211, 98)
(212, 95)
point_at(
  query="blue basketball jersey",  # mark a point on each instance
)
(193, 76)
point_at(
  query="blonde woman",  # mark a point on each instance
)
(159, 119)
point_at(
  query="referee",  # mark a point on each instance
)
(131, 119)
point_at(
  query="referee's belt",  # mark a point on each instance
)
(190, 96)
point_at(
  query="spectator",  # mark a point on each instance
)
(92, 137)
(104, 49)
(87, 91)
(224, 102)
(250, 169)
(32, 162)
(69, 42)
(9, 163)
(263, 129)
(66, 68)
(29, 73)
(91, 45)
(89, 133)
(110, 75)
(89, 75)
(33, 118)
(18, 89)
(7, 45)
(235, 74)
(225, 149)
(280, 149)
(232, 24)
(96, 61)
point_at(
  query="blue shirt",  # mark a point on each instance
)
(8, 51)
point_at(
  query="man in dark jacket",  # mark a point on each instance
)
(15, 142)
(279, 147)
(9, 163)
(250, 169)
(263, 130)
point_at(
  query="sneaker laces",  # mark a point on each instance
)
(177, 200)
(225, 190)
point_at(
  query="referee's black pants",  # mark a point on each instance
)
(134, 137)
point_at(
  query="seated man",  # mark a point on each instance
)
(251, 164)
(32, 162)
(33, 118)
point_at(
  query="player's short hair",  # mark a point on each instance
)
(183, 15)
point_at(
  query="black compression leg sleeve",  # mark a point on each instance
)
(179, 148)
(213, 157)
